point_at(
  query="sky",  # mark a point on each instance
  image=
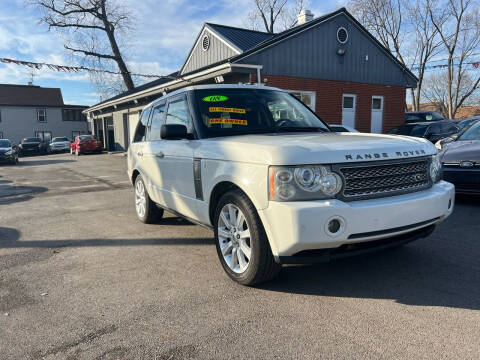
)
(164, 32)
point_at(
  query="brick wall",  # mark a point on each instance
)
(328, 100)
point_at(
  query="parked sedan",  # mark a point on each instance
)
(8, 152)
(342, 128)
(461, 161)
(428, 130)
(59, 144)
(32, 146)
(85, 144)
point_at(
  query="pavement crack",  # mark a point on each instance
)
(83, 340)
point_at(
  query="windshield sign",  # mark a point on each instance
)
(249, 111)
(215, 98)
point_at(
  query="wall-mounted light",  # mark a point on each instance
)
(341, 52)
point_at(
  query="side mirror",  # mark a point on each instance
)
(173, 132)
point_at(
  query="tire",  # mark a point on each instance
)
(261, 265)
(147, 211)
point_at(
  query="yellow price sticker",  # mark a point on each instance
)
(226, 109)
(228, 121)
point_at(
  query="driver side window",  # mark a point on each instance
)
(140, 132)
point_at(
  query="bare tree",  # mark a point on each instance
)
(274, 14)
(91, 28)
(404, 29)
(458, 24)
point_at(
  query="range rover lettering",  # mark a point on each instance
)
(275, 184)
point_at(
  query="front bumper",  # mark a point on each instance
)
(7, 158)
(59, 148)
(467, 181)
(295, 227)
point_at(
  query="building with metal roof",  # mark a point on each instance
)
(332, 63)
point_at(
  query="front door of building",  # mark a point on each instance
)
(349, 104)
(376, 124)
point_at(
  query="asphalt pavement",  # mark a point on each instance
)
(82, 278)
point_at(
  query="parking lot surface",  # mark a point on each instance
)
(82, 278)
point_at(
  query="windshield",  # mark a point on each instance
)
(466, 123)
(5, 143)
(472, 133)
(57, 139)
(31, 140)
(250, 111)
(86, 137)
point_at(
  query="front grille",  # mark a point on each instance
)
(384, 178)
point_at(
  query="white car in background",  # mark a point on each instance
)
(59, 144)
(275, 185)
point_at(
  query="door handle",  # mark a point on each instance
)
(160, 155)
(140, 153)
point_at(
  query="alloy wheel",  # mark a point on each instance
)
(140, 199)
(234, 238)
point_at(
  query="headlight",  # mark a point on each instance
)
(436, 168)
(438, 145)
(9, 152)
(303, 183)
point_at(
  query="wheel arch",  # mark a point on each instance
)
(135, 174)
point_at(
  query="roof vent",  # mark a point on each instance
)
(342, 35)
(304, 17)
(205, 42)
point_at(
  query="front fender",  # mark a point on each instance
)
(251, 178)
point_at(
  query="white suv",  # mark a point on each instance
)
(275, 184)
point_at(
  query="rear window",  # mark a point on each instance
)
(86, 137)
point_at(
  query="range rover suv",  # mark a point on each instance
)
(275, 184)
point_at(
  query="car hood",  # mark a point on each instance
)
(462, 150)
(3, 150)
(312, 148)
(60, 143)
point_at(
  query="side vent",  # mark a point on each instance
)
(197, 178)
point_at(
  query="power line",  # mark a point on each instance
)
(75, 69)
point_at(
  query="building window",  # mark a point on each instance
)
(0, 116)
(1, 134)
(307, 97)
(42, 115)
(44, 135)
(73, 115)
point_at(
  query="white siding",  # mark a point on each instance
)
(19, 122)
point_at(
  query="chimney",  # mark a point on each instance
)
(304, 17)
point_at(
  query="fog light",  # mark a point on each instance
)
(333, 226)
